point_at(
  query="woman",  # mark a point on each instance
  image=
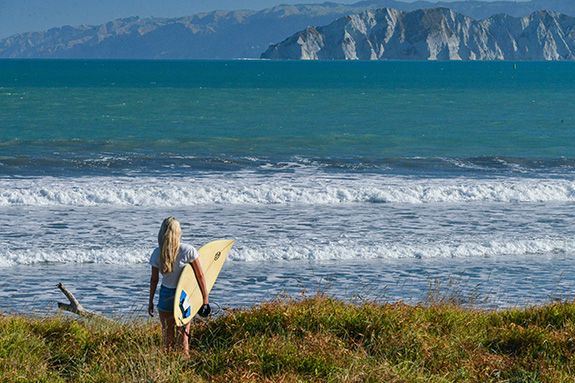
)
(169, 259)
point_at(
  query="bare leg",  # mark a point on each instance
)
(168, 324)
(183, 333)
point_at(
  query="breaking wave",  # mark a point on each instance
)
(252, 189)
(351, 251)
(309, 251)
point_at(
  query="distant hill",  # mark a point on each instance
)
(433, 34)
(224, 34)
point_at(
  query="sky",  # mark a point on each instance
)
(17, 16)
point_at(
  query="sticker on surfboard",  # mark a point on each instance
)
(185, 305)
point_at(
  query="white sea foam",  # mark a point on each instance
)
(350, 251)
(71, 255)
(315, 252)
(276, 189)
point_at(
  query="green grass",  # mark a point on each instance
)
(315, 339)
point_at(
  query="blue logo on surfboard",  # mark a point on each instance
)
(185, 305)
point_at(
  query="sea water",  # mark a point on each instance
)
(377, 181)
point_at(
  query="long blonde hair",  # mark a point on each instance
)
(169, 241)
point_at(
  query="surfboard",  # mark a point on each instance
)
(188, 299)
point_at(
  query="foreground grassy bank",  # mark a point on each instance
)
(315, 339)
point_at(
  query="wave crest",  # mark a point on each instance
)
(309, 251)
(259, 190)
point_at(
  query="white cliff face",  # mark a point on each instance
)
(433, 34)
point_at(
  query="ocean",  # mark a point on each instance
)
(379, 181)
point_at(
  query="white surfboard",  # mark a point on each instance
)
(188, 299)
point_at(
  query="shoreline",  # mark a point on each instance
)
(501, 283)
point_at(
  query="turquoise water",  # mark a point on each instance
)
(278, 110)
(372, 175)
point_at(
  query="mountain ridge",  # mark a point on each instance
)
(219, 34)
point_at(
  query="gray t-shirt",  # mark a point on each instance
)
(186, 255)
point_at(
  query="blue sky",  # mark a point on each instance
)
(18, 16)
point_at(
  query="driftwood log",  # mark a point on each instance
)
(75, 307)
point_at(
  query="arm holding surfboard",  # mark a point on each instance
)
(199, 272)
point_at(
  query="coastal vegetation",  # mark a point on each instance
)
(312, 339)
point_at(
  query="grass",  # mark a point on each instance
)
(316, 339)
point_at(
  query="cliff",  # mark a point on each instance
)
(433, 34)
